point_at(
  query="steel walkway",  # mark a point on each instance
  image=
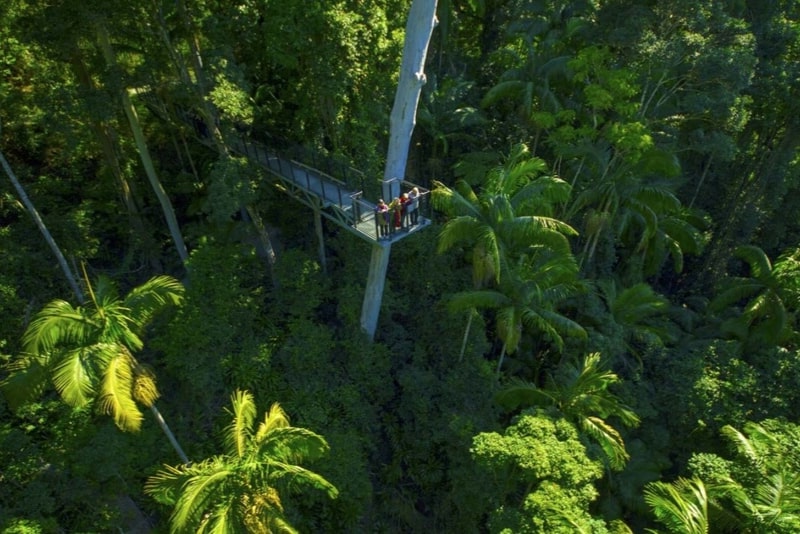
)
(317, 189)
(339, 200)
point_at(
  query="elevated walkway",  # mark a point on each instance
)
(336, 193)
(338, 200)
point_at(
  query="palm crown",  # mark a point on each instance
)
(238, 491)
(87, 352)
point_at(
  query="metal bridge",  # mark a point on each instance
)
(338, 200)
(332, 189)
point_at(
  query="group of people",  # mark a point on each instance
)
(402, 212)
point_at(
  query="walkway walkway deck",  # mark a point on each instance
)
(336, 199)
(338, 202)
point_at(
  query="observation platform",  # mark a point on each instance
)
(333, 189)
(339, 201)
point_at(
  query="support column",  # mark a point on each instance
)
(419, 27)
(373, 295)
(320, 239)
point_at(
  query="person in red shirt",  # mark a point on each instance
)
(404, 209)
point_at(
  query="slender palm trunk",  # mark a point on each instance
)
(165, 428)
(62, 261)
(470, 315)
(500, 361)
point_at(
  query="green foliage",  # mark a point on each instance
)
(764, 319)
(580, 394)
(232, 186)
(56, 460)
(639, 142)
(540, 460)
(213, 342)
(681, 505)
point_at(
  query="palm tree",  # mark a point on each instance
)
(768, 295)
(639, 312)
(631, 201)
(764, 495)
(237, 491)
(87, 352)
(512, 211)
(581, 395)
(772, 502)
(528, 299)
(682, 506)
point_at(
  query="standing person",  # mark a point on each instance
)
(405, 205)
(413, 205)
(382, 218)
(397, 210)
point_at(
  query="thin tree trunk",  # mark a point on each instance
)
(144, 153)
(62, 261)
(320, 238)
(500, 361)
(470, 315)
(165, 428)
(265, 243)
(210, 120)
(105, 139)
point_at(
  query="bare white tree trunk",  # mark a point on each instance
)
(419, 28)
(170, 436)
(73, 283)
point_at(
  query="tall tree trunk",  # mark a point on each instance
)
(144, 153)
(105, 139)
(62, 261)
(470, 315)
(500, 360)
(170, 436)
(419, 28)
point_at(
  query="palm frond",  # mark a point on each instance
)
(681, 506)
(243, 415)
(274, 419)
(225, 518)
(509, 327)
(462, 229)
(502, 91)
(146, 300)
(737, 289)
(756, 258)
(541, 195)
(743, 445)
(519, 393)
(58, 324)
(294, 478)
(659, 199)
(196, 496)
(73, 377)
(116, 393)
(636, 303)
(145, 390)
(564, 325)
(778, 499)
(608, 438)
(291, 444)
(166, 484)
